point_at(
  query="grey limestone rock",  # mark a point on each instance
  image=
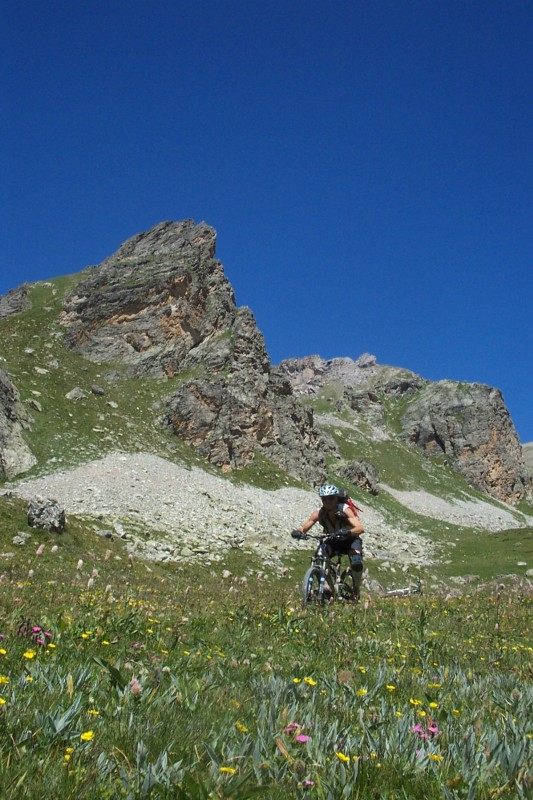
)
(47, 514)
(15, 455)
(162, 306)
(470, 424)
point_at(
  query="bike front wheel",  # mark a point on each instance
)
(314, 589)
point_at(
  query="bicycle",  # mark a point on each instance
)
(414, 588)
(326, 581)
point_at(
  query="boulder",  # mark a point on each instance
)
(46, 514)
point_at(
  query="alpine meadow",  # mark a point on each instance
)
(153, 642)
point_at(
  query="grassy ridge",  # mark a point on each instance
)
(120, 678)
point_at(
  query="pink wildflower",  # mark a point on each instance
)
(302, 738)
(136, 687)
(292, 726)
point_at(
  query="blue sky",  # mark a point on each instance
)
(368, 166)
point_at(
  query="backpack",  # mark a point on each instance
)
(343, 498)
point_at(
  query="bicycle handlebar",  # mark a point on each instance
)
(338, 536)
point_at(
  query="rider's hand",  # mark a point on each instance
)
(297, 535)
(339, 536)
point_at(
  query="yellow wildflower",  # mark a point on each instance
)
(342, 756)
(310, 681)
(228, 770)
(87, 736)
(241, 728)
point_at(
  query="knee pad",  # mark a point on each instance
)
(356, 562)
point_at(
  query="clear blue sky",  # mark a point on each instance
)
(368, 165)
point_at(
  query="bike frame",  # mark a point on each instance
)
(329, 569)
(329, 566)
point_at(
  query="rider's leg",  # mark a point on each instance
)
(356, 561)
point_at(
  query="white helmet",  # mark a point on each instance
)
(328, 490)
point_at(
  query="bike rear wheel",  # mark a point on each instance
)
(348, 591)
(313, 587)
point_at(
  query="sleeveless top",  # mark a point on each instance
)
(340, 519)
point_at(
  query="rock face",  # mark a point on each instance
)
(468, 424)
(15, 455)
(471, 425)
(15, 301)
(162, 305)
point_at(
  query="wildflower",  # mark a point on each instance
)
(291, 727)
(342, 756)
(29, 654)
(228, 770)
(435, 757)
(136, 687)
(296, 680)
(241, 728)
(2, 701)
(93, 712)
(310, 681)
(4, 679)
(415, 702)
(390, 687)
(433, 705)
(362, 692)
(3, 652)
(87, 736)
(302, 738)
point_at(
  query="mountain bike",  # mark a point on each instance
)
(414, 588)
(326, 580)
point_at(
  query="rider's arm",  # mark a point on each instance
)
(354, 523)
(308, 524)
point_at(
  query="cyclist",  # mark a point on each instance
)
(336, 517)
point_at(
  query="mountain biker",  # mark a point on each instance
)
(336, 516)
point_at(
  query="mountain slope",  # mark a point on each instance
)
(148, 354)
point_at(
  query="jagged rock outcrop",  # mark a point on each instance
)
(308, 374)
(363, 474)
(162, 305)
(471, 425)
(15, 301)
(15, 455)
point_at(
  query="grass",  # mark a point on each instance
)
(127, 679)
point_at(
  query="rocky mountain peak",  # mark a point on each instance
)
(162, 305)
